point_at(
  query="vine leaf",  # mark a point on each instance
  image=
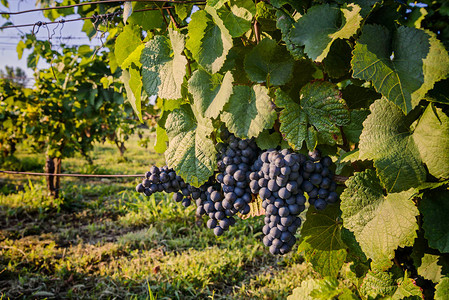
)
(163, 66)
(265, 140)
(321, 289)
(160, 144)
(401, 73)
(148, 20)
(210, 92)
(216, 3)
(237, 18)
(429, 268)
(127, 10)
(304, 290)
(442, 289)
(380, 223)
(354, 129)
(191, 153)
(248, 111)
(321, 241)
(320, 106)
(128, 47)
(285, 23)
(318, 28)
(133, 87)
(383, 285)
(432, 138)
(387, 140)
(434, 207)
(209, 40)
(268, 62)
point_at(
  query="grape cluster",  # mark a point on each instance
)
(280, 178)
(209, 200)
(319, 183)
(277, 178)
(234, 166)
(165, 180)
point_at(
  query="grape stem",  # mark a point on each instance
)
(340, 179)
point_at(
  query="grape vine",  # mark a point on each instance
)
(366, 82)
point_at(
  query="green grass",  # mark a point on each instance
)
(103, 240)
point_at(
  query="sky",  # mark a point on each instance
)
(70, 34)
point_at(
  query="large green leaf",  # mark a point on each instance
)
(163, 66)
(354, 129)
(303, 291)
(148, 20)
(318, 28)
(321, 241)
(407, 289)
(429, 268)
(249, 111)
(403, 65)
(320, 106)
(380, 223)
(128, 46)
(432, 138)
(191, 153)
(442, 289)
(265, 140)
(133, 87)
(270, 63)
(435, 209)
(237, 18)
(386, 138)
(383, 285)
(209, 40)
(210, 92)
(285, 23)
(160, 144)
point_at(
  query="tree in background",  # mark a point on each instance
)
(16, 75)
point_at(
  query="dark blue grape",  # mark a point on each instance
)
(313, 193)
(239, 175)
(264, 193)
(309, 167)
(332, 197)
(186, 202)
(287, 221)
(323, 193)
(266, 241)
(245, 210)
(294, 209)
(286, 170)
(274, 250)
(239, 203)
(275, 232)
(320, 204)
(292, 187)
(325, 183)
(284, 193)
(140, 188)
(272, 185)
(284, 211)
(316, 179)
(218, 231)
(307, 186)
(326, 161)
(262, 182)
(325, 172)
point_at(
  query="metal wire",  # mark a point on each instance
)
(40, 23)
(100, 2)
(72, 175)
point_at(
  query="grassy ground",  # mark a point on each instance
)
(102, 240)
